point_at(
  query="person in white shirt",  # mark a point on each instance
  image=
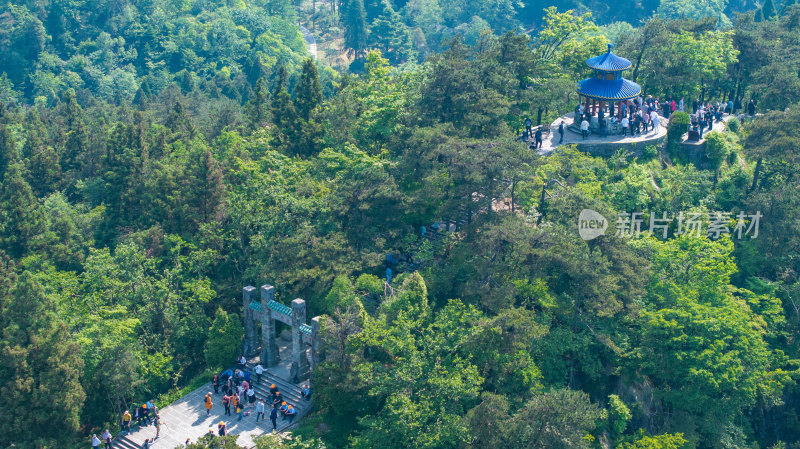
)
(585, 129)
(251, 395)
(107, 437)
(260, 410)
(655, 120)
(625, 126)
(259, 371)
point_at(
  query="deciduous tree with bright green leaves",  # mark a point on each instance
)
(696, 328)
(224, 340)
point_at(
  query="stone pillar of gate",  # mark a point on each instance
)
(270, 355)
(314, 346)
(250, 346)
(299, 370)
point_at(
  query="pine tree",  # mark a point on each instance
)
(390, 35)
(8, 150)
(44, 171)
(142, 96)
(355, 28)
(254, 69)
(283, 116)
(205, 188)
(187, 82)
(308, 92)
(7, 279)
(308, 136)
(123, 176)
(180, 123)
(77, 138)
(35, 134)
(140, 99)
(281, 78)
(40, 366)
(44, 166)
(258, 106)
(21, 219)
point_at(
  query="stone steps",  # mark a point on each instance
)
(122, 442)
(291, 393)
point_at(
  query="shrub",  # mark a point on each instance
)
(619, 414)
(717, 149)
(734, 125)
(370, 283)
(678, 126)
(649, 152)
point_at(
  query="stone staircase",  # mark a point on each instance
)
(122, 442)
(291, 393)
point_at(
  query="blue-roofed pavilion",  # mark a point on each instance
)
(607, 84)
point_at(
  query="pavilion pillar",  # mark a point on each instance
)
(299, 369)
(270, 355)
(619, 110)
(602, 106)
(249, 348)
(587, 105)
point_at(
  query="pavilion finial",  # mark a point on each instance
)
(609, 47)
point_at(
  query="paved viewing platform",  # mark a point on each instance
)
(607, 146)
(186, 417)
(595, 142)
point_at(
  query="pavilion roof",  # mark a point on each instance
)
(619, 89)
(608, 62)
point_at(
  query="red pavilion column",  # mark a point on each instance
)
(601, 107)
(587, 105)
(594, 106)
(619, 110)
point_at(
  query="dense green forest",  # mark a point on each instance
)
(157, 156)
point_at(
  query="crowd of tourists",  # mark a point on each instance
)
(142, 416)
(237, 387)
(636, 116)
(639, 116)
(239, 397)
